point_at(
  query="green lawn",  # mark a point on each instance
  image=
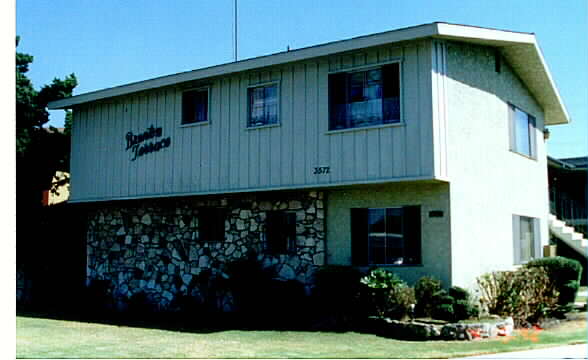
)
(44, 338)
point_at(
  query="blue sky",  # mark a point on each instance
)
(112, 42)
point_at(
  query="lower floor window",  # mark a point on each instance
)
(280, 232)
(527, 244)
(211, 222)
(386, 236)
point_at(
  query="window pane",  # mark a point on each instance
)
(522, 138)
(194, 106)
(527, 238)
(263, 105)
(372, 97)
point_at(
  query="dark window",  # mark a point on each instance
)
(364, 98)
(195, 106)
(263, 105)
(527, 244)
(522, 132)
(211, 222)
(280, 231)
(386, 236)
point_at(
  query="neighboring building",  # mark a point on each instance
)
(59, 191)
(567, 190)
(420, 149)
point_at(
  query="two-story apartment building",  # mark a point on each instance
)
(419, 149)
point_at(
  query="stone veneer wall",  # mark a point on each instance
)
(152, 246)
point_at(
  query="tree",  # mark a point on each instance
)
(39, 151)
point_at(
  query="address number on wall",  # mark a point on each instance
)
(321, 170)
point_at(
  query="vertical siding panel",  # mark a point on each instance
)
(373, 153)
(239, 147)
(399, 135)
(161, 159)
(177, 142)
(372, 57)
(436, 104)
(207, 136)
(348, 153)
(414, 111)
(346, 62)
(117, 148)
(253, 137)
(324, 149)
(97, 128)
(274, 150)
(225, 163)
(132, 167)
(298, 170)
(149, 160)
(123, 155)
(144, 161)
(215, 144)
(171, 126)
(287, 143)
(426, 108)
(154, 170)
(311, 148)
(391, 158)
(361, 156)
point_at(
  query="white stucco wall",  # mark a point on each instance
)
(489, 183)
(431, 196)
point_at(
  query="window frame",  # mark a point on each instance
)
(275, 83)
(215, 221)
(273, 245)
(208, 100)
(531, 128)
(365, 69)
(535, 248)
(361, 246)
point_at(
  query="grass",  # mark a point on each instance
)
(49, 338)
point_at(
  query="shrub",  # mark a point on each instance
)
(427, 291)
(336, 293)
(564, 272)
(390, 296)
(527, 294)
(463, 306)
(433, 301)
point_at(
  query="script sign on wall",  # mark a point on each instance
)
(139, 145)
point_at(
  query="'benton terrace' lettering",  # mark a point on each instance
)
(135, 142)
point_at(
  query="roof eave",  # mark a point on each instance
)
(520, 49)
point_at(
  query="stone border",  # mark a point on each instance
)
(415, 330)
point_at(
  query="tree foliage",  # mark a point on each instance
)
(40, 151)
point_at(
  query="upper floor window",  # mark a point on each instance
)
(195, 106)
(263, 105)
(386, 236)
(522, 132)
(364, 98)
(527, 245)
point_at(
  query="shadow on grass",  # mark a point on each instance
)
(201, 323)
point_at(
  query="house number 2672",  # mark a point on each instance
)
(321, 170)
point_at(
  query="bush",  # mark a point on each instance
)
(564, 272)
(390, 296)
(427, 291)
(433, 301)
(336, 293)
(527, 294)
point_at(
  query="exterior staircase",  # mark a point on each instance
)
(568, 235)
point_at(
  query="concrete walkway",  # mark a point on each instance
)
(579, 351)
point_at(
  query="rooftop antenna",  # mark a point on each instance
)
(235, 28)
